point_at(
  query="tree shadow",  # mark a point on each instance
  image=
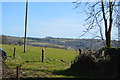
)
(81, 75)
(75, 74)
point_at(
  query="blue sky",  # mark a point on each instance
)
(56, 19)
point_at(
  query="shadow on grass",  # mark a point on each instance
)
(81, 75)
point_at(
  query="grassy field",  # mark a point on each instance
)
(56, 60)
(46, 44)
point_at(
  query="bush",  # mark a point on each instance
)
(83, 63)
(106, 65)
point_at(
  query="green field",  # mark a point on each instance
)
(46, 44)
(55, 60)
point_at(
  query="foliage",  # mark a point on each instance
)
(20, 42)
(102, 64)
(103, 48)
(4, 39)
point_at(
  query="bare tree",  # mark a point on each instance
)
(100, 14)
(26, 16)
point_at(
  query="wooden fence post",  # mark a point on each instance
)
(17, 72)
(80, 51)
(43, 55)
(14, 54)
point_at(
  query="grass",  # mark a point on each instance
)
(55, 60)
(46, 44)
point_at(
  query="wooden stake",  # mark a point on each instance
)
(14, 54)
(43, 55)
(80, 51)
(17, 72)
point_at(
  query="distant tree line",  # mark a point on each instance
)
(4, 40)
(65, 42)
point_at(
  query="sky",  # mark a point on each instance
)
(55, 19)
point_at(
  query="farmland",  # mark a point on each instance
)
(61, 43)
(31, 64)
(59, 57)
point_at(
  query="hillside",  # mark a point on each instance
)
(62, 43)
(31, 62)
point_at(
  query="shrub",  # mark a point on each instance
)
(106, 65)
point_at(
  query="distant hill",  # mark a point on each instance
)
(63, 43)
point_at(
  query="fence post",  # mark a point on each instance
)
(43, 55)
(17, 72)
(80, 51)
(14, 54)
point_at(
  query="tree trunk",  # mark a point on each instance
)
(108, 39)
(107, 28)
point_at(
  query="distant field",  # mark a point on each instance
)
(55, 59)
(46, 44)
